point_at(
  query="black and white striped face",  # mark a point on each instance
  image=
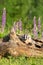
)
(27, 36)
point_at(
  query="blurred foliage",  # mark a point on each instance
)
(21, 60)
(22, 9)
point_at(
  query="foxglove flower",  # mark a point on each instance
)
(34, 20)
(13, 29)
(39, 24)
(20, 25)
(34, 29)
(15, 26)
(3, 19)
(42, 34)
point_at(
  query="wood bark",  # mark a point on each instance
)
(16, 47)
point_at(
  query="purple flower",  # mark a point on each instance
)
(4, 18)
(42, 34)
(34, 20)
(20, 25)
(34, 29)
(15, 26)
(39, 24)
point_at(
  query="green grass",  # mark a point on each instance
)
(21, 61)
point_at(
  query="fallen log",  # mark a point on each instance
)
(3, 49)
(38, 40)
(16, 47)
(32, 41)
(17, 50)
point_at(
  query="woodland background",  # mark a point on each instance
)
(22, 9)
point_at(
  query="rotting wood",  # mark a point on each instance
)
(16, 47)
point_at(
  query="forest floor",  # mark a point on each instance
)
(21, 60)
